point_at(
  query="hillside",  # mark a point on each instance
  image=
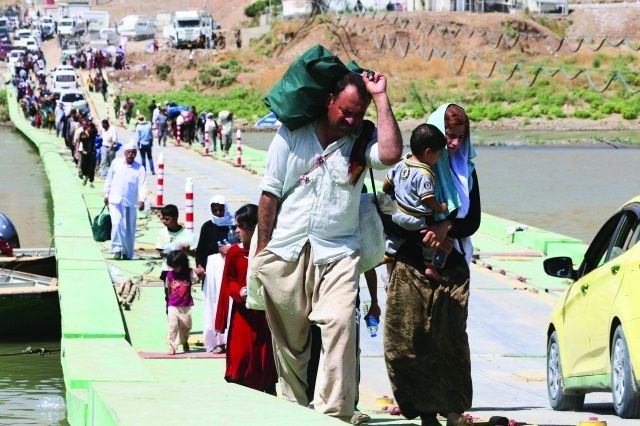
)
(510, 70)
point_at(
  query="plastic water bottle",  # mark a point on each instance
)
(439, 259)
(372, 325)
(232, 236)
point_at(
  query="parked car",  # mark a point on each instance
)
(70, 46)
(62, 67)
(141, 30)
(105, 37)
(594, 332)
(31, 44)
(15, 54)
(20, 36)
(73, 99)
(65, 80)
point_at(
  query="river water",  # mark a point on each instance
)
(31, 386)
(570, 190)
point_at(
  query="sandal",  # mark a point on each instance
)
(360, 418)
(463, 420)
(219, 350)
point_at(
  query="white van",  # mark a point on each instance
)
(65, 80)
(71, 26)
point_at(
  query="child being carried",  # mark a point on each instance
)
(413, 184)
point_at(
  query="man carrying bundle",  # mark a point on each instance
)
(308, 244)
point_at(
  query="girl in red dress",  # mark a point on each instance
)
(250, 359)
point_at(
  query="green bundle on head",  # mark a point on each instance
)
(299, 96)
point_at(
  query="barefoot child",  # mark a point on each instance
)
(413, 183)
(179, 301)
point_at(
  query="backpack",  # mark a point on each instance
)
(101, 226)
(299, 96)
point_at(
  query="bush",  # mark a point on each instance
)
(225, 81)
(162, 71)
(629, 112)
(245, 103)
(582, 113)
(256, 9)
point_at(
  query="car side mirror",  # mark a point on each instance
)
(560, 267)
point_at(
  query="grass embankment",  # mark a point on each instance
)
(4, 109)
(418, 87)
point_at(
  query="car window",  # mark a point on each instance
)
(72, 97)
(65, 78)
(622, 238)
(628, 235)
(597, 252)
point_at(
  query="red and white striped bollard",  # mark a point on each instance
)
(188, 205)
(160, 182)
(238, 148)
(178, 134)
(121, 118)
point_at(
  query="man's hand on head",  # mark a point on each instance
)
(376, 83)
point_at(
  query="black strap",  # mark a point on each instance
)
(90, 221)
(373, 189)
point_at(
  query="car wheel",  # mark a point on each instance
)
(558, 399)
(626, 397)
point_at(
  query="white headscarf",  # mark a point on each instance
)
(227, 218)
(130, 146)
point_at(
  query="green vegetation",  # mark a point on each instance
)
(4, 111)
(162, 71)
(223, 75)
(260, 7)
(550, 98)
(244, 103)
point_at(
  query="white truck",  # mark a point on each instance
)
(189, 28)
(71, 26)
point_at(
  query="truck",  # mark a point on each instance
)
(71, 26)
(190, 28)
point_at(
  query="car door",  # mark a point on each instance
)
(604, 287)
(577, 324)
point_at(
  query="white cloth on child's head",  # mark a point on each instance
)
(227, 217)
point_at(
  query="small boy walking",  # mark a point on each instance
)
(413, 183)
(179, 301)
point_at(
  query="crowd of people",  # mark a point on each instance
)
(297, 254)
(170, 120)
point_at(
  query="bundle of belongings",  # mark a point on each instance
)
(299, 97)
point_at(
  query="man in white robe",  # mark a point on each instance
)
(124, 190)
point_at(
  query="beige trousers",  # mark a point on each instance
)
(179, 325)
(298, 294)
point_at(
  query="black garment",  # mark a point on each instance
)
(411, 250)
(88, 160)
(210, 235)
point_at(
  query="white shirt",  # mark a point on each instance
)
(325, 210)
(156, 112)
(125, 184)
(209, 124)
(109, 137)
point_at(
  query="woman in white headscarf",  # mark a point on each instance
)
(212, 246)
(425, 338)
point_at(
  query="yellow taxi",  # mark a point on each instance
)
(593, 339)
